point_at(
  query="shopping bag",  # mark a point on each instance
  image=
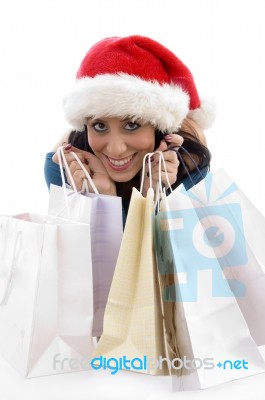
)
(200, 242)
(46, 294)
(133, 335)
(245, 225)
(103, 214)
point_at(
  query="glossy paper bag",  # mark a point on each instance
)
(200, 244)
(46, 294)
(133, 322)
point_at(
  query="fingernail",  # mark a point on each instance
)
(168, 137)
(68, 147)
(149, 159)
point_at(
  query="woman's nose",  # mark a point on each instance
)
(116, 146)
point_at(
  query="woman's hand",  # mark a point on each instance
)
(171, 160)
(94, 167)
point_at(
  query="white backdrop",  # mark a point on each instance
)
(43, 41)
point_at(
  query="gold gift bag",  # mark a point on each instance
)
(133, 322)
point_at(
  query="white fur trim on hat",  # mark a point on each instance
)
(205, 115)
(122, 95)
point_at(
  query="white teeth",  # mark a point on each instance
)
(120, 163)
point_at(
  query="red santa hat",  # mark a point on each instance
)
(136, 77)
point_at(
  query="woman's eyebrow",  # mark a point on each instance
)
(96, 119)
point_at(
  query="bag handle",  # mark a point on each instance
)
(176, 149)
(88, 177)
(147, 159)
(63, 163)
(160, 187)
(8, 283)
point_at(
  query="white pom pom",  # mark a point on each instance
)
(205, 115)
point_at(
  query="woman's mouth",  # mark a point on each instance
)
(120, 164)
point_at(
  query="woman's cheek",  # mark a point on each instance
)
(94, 142)
(143, 143)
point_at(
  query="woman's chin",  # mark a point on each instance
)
(122, 177)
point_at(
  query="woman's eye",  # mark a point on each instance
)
(132, 126)
(99, 126)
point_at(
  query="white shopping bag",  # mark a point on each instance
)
(246, 228)
(103, 214)
(46, 295)
(212, 274)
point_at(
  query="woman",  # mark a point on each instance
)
(133, 96)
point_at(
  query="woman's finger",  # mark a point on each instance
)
(166, 178)
(78, 177)
(162, 146)
(169, 156)
(173, 139)
(67, 149)
(74, 166)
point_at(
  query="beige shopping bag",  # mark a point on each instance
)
(133, 323)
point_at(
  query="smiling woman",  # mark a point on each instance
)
(133, 96)
(121, 145)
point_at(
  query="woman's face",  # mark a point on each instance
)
(120, 145)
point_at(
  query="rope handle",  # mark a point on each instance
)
(147, 159)
(176, 149)
(63, 163)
